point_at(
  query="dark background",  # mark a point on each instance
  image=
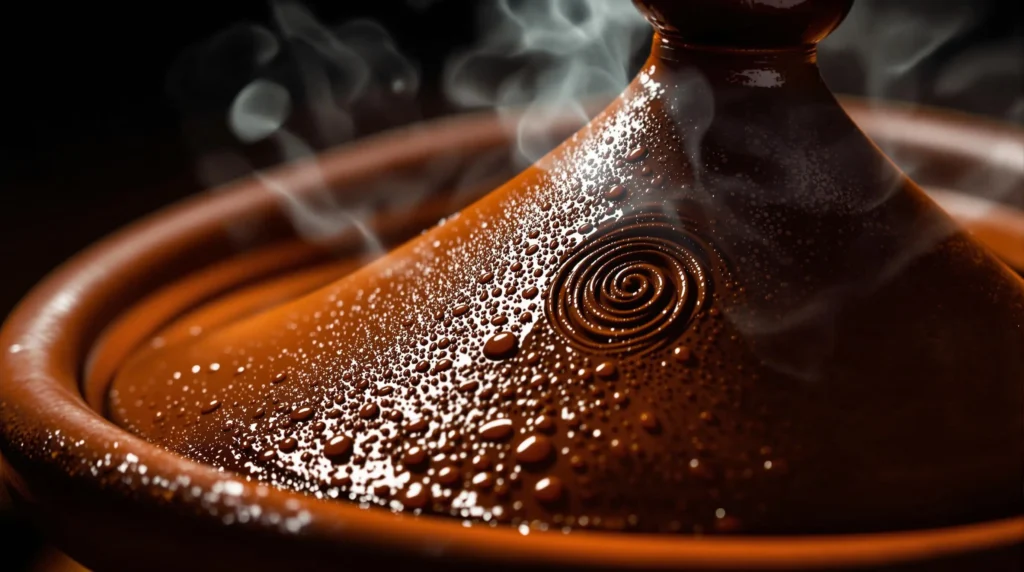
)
(92, 138)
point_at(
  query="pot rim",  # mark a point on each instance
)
(47, 338)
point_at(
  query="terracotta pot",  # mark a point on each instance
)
(114, 501)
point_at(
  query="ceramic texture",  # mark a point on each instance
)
(114, 501)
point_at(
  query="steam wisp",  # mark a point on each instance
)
(333, 73)
(542, 59)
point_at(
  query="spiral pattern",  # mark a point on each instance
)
(632, 287)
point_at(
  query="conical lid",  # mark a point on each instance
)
(717, 307)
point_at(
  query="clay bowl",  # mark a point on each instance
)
(113, 501)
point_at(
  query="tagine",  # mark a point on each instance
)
(716, 308)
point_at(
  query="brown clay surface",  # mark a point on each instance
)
(715, 309)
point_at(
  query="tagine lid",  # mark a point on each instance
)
(715, 309)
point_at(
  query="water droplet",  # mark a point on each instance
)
(534, 449)
(448, 475)
(369, 410)
(616, 193)
(649, 422)
(481, 462)
(416, 496)
(211, 407)
(338, 447)
(501, 346)
(682, 354)
(414, 457)
(301, 414)
(606, 370)
(483, 480)
(548, 489)
(636, 154)
(416, 426)
(545, 423)
(279, 378)
(577, 463)
(499, 320)
(443, 365)
(287, 445)
(496, 430)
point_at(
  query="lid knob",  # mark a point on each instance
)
(745, 24)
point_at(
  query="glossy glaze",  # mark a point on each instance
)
(730, 313)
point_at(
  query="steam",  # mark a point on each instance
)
(552, 57)
(547, 57)
(886, 44)
(261, 108)
(260, 76)
(894, 44)
(992, 64)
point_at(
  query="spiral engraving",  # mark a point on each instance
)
(632, 287)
